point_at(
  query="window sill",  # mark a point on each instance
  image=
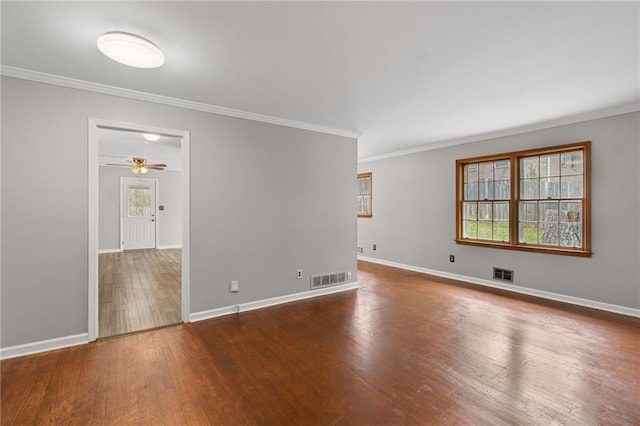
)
(523, 247)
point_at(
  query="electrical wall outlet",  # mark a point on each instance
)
(234, 286)
(452, 258)
(299, 274)
(374, 246)
(349, 275)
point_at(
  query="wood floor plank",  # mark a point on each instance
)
(404, 349)
(139, 290)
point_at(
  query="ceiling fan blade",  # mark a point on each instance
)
(118, 165)
(154, 167)
(157, 165)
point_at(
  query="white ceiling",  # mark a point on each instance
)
(402, 75)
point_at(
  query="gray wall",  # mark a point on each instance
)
(169, 196)
(414, 214)
(265, 200)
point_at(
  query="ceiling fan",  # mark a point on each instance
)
(140, 165)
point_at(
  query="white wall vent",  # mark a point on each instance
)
(502, 275)
(360, 250)
(319, 281)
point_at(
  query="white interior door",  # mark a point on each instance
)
(138, 213)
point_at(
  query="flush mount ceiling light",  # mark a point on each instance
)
(150, 137)
(130, 49)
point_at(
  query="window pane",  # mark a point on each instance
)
(571, 224)
(572, 186)
(471, 191)
(139, 201)
(486, 171)
(550, 165)
(366, 186)
(571, 163)
(529, 189)
(471, 173)
(501, 231)
(484, 211)
(485, 190)
(470, 211)
(528, 211)
(529, 168)
(485, 230)
(501, 212)
(485, 186)
(502, 190)
(360, 204)
(366, 204)
(360, 186)
(528, 233)
(550, 187)
(470, 229)
(502, 170)
(550, 222)
(571, 211)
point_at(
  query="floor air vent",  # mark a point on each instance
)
(319, 281)
(503, 274)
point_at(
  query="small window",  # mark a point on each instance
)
(535, 200)
(139, 201)
(363, 195)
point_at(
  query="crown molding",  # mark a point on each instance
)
(104, 89)
(542, 125)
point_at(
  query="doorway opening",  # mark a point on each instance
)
(138, 227)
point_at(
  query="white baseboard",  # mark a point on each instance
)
(103, 251)
(624, 310)
(250, 306)
(44, 345)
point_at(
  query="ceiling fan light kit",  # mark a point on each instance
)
(130, 49)
(140, 165)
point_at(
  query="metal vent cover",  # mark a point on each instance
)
(503, 274)
(319, 281)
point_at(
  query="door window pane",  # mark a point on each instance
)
(139, 201)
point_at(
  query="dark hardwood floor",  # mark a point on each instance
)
(139, 290)
(404, 349)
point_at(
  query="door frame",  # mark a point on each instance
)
(156, 228)
(93, 225)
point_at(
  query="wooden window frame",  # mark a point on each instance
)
(367, 175)
(514, 211)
